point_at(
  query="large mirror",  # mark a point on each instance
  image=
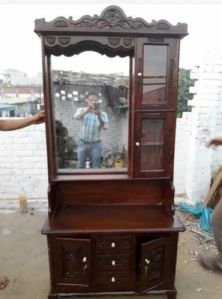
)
(91, 106)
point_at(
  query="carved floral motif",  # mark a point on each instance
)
(114, 41)
(112, 18)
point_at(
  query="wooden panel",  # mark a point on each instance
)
(112, 219)
(153, 263)
(104, 192)
(72, 260)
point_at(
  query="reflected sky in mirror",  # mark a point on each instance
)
(91, 112)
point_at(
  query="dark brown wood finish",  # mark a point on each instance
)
(116, 232)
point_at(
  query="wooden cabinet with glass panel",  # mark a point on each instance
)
(111, 228)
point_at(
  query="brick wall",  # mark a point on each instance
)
(23, 165)
(195, 130)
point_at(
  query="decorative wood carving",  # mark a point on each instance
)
(65, 36)
(156, 262)
(69, 45)
(112, 19)
(71, 260)
(75, 263)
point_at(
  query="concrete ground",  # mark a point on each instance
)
(24, 259)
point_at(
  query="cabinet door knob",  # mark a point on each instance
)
(113, 279)
(147, 262)
(113, 263)
(139, 74)
(84, 259)
(137, 143)
(113, 244)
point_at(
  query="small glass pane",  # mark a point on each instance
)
(152, 145)
(152, 132)
(155, 60)
(151, 158)
(153, 94)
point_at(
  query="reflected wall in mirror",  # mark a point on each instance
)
(91, 112)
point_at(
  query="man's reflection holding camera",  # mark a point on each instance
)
(93, 121)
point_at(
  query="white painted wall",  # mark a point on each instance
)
(23, 165)
(195, 129)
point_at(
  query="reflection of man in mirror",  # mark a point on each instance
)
(93, 121)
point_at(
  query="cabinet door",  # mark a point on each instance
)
(154, 259)
(154, 144)
(156, 74)
(72, 258)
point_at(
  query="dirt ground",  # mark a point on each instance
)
(24, 259)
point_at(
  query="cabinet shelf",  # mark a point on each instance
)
(112, 218)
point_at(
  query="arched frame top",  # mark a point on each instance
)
(112, 33)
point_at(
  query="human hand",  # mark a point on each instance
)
(97, 112)
(215, 141)
(39, 117)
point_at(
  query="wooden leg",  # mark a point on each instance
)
(172, 294)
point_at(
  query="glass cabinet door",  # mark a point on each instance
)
(153, 147)
(156, 66)
(156, 78)
(151, 144)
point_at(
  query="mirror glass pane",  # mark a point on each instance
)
(91, 101)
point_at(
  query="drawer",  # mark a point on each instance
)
(113, 244)
(113, 262)
(114, 281)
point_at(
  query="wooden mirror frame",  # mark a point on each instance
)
(112, 33)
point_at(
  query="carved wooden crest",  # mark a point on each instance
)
(112, 19)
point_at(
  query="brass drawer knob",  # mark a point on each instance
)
(147, 262)
(84, 259)
(113, 244)
(113, 263)
(137, 144)
(113, 279)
